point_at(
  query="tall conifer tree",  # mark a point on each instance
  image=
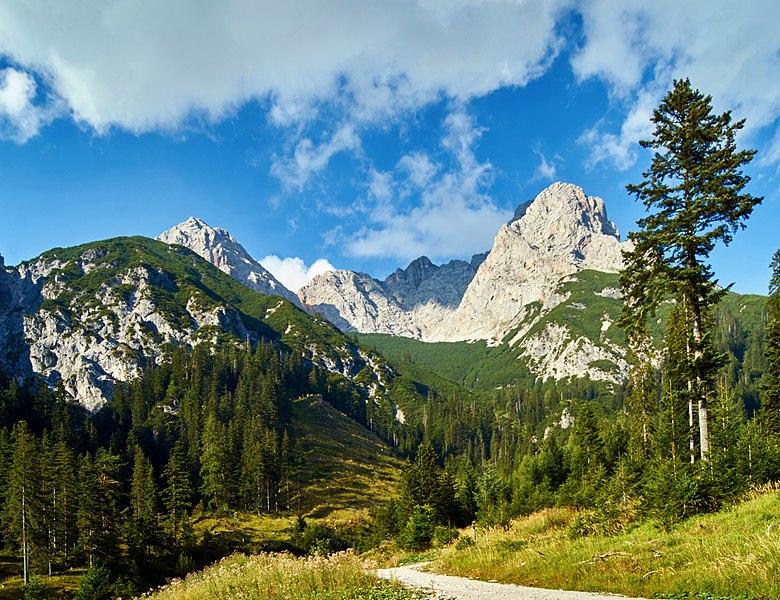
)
(694, 195)
(770, 403)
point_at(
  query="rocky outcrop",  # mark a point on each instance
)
(95, 339)
(412, 302)
(423, 283)
(357, 302)
(14, 357)
(223, 251)
(561, 232)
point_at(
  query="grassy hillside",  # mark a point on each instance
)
(345, 467)
(730, 554)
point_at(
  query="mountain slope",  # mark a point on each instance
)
(222, 250)
(577, 338)
(344, 465)
(97, 313)
(561, 232)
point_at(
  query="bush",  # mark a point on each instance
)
(96, 585)
(417, 535)
(35, 590)
(675, 492)
(316, 539)
(444, 535)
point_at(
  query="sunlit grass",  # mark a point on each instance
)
(283, 577)
(732, 553)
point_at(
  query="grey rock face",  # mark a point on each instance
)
(14, 356)
(411, 302)
(223, 251)
(422, 282)
(561, 232)
(109, 336)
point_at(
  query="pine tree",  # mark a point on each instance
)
(642, 397)
(143, 520)
(677, 415)
(100, 508)
(21, 513)
(770, 402)
(64, 496)
(215, 464)
(177, 495)
(693, 193)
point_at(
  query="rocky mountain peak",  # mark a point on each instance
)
(561, 210)
(418, 271)
(215, 245)
(562, 231)
(223, 251)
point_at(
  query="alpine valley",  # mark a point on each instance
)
(189, 405)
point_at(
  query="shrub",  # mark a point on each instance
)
(417, 535)
(95, 585)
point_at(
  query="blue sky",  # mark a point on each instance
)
(361, 133)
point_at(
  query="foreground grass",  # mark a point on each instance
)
(283, 577)
(734, 553)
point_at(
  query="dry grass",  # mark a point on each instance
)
(732, 553)
(282, 577)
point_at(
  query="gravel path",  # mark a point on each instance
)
(460, 588)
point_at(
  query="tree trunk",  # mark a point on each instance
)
(692, 442)
(698, 336)
(25, 553)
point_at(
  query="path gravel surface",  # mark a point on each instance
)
(460, 588)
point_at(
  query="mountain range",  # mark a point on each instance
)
(542, 301)
(507, 296)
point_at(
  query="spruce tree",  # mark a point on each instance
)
(143, 521)
(177, 495)
(22, 511)
(770, 402)
(694, 195)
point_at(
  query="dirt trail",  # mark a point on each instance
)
(460, 588)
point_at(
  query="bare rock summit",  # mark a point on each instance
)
(222, 250)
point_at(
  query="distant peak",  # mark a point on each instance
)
(423, 261)
(195, 221)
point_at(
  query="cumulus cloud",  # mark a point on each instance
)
(453, 215)
(293, 272)
(20, 118)
(144, 65)
(728, 50)
(620, 149)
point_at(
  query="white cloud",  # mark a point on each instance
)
(310, 159)
(145, 65)
(293, 272)
(544, 170)
(20, 118)
(729, 50)
(621, 149)
(419, 168)
(454, 216)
